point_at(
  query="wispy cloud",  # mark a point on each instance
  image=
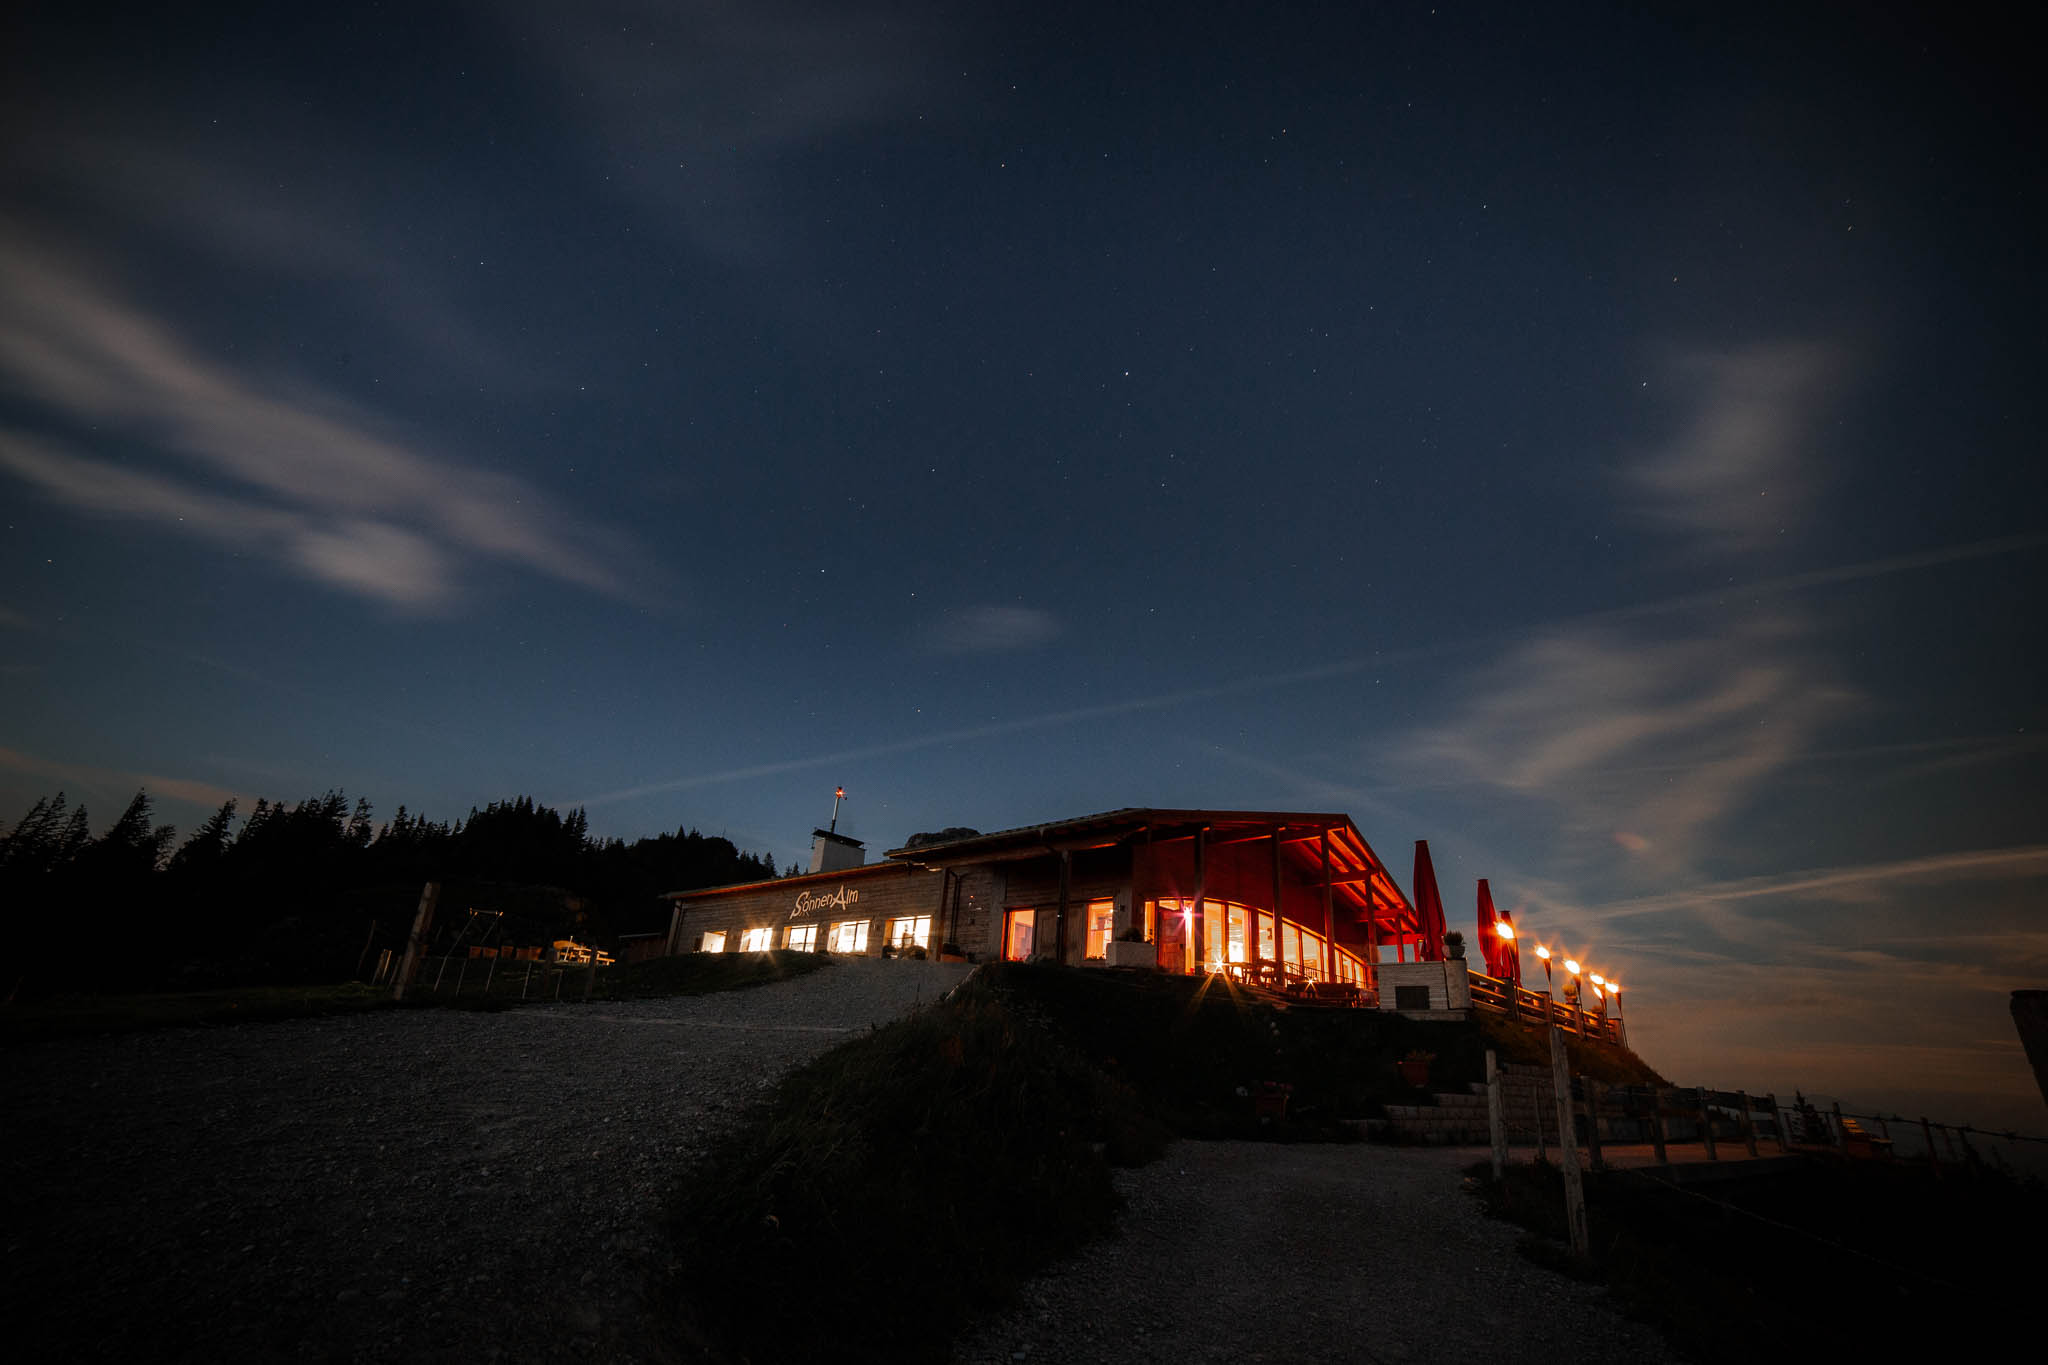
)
(300, 476)
(1631, 743)
(993, 630)
(112, 784)
(696, 103)
(1735, 476)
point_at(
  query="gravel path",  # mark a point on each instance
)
(1382, 1259)
(418, 1185)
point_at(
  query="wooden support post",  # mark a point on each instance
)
(1707, 1125)
(1748, 1124)
(1372, 950)
(1933, 1157)
(1536, 1104)
(590, 977)
(1496, 1120)
(1198, 929)
(1567, 1147)
(528, 982)
(1657, 1124)
(1252, 948)
(492, 974)
(422, 921)
(675, 932)
(1841, 1134)
(1059, 932)
(1329, 915)
(1778, 1122)
(1593, 1089)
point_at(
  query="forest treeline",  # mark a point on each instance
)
(301, 893)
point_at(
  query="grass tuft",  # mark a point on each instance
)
(898, 1185)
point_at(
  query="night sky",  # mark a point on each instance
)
(1606, 445)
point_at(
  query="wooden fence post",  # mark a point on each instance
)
(422, 920)
(1593, 1090)
(1496, 1121)
(1933, 1157)
(1657, 1124)
(1536, 1104)
(1778, 1122)
(1748, 1124)
(1707, 1125)
(1568, 1148)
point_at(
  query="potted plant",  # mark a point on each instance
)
(1454, 946)
(1414, 1068)
(1129, 949)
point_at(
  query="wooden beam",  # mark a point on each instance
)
(1251, 950)
(1198, 930)
(1329, 913)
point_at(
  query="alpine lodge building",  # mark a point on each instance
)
(1276, 898)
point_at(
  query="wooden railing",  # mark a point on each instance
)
(1516, 1001)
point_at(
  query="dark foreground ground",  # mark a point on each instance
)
(403, 1185)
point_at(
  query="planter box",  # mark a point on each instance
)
(1120, 954)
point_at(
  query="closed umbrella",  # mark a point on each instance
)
(1429, 906)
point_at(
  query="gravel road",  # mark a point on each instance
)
(1234, 1251)
(410, 1185)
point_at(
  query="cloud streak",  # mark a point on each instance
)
(302, 477)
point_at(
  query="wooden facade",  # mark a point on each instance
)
(1180, 890)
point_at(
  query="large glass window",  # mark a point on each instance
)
(1101, 927)
(757, 940)
(1300, 950)
(1020, 935)
(714, 941)
(910, 931)
(849, 936)
(803, 938)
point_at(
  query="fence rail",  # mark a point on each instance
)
(1519, 1002)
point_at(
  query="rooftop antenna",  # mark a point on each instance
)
(838, 795)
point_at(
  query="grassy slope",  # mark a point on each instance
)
(962, 1147)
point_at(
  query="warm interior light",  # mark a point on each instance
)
(1503, 928)
(1543, 952)
(1571, 966)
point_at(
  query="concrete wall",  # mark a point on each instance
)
(877, 894)
(1450, 989)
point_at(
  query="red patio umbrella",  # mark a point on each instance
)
(1495, 949)
(1511, 951)
(1429, 906)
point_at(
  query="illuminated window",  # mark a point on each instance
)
(910, 931)
(1020, 935)
(802, 938)
(1101, 926)
(756, 940)
(849, 936)
(714, 941)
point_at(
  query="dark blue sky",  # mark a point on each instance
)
(1605, 445)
